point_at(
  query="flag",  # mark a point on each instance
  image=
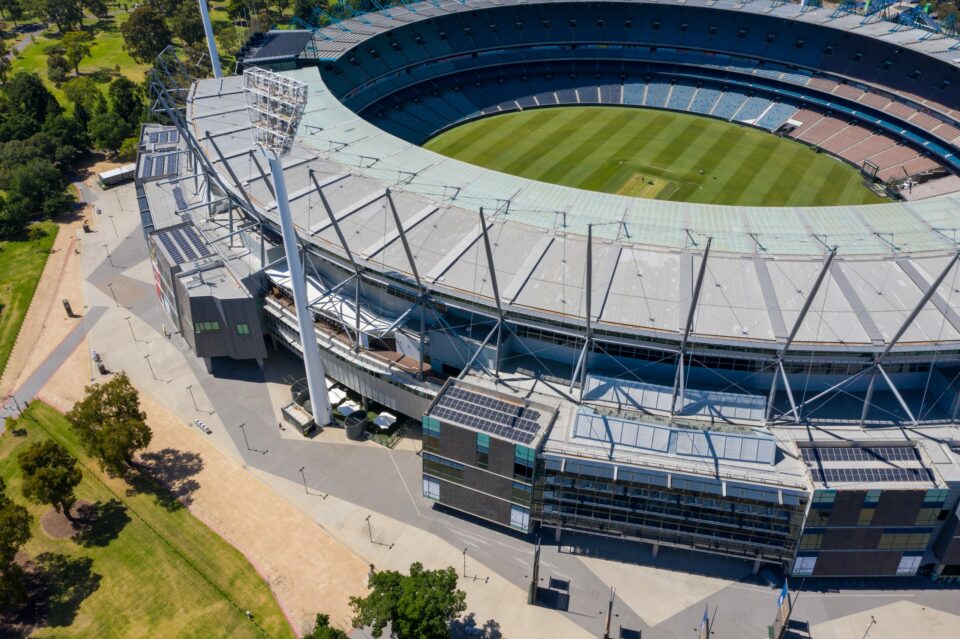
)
(706, 617)
(784, 593)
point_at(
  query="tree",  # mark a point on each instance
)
(16, 153)
(86, 97)
(128, 149)
(50, 474)
(126, 101)
(13, 9)
(35, 187)
(58, 67)
(281, 6)
(24, 105)
(14, 526)
(323, 630)
(14, 533)
(107, 131)
(98, 8)
(420, 605)
(76, 46)
(68, 134)
(4, 60)
(145, 34)
(303, 9)
(110, 424)
(186, 23)
(166, 7)
(63, 13)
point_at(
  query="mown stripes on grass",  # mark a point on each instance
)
(605, 148)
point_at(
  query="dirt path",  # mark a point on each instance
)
(46, 323)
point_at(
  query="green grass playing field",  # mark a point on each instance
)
(655, 154)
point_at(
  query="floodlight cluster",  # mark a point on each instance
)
(275, 106)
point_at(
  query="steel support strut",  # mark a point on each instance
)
(316, 376)
(792, 336)
(679, 380)
(496, 293)
(416, 276)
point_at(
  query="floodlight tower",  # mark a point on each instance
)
(211, 42)
(275, 105)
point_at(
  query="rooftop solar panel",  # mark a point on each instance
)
(179, 198)
(871, 475)
(488, 414)
(198, 244)
(183, 244)
(879, 453)
(172, 250)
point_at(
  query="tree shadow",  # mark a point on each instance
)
(101, 523)
(102, 75)
(168, 475)
(103, 24)
(468, 627)
(61, 584)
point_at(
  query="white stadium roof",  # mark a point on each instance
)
(646, 254)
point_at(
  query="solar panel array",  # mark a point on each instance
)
(179, 198)
(183, 244)
(870, 475)
(164, 137)
(488, 415)
(840, 453)
(160, 165)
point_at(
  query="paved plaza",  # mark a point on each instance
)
(366, 499)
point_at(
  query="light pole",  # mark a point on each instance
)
(193, 397)
(15, 403)
(275, 106)
(106, 247)
(464, 562)
(243, 430)
(113, 294)
(147, 357)
(304, 480)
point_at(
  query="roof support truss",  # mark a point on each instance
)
(679, 380)
(792, 336)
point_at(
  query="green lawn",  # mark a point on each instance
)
(148, 568)
(106, 54)
(656, 154)
(21, 264)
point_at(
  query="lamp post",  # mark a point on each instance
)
(243, 430)
(275, 106)
(15, 403)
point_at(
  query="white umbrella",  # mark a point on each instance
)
(385, 420)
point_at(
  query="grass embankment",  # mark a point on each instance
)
(146, 567)
(655, 154)
(21, 264)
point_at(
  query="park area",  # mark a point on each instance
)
(21, 263)
(135, 562)
(655, 154)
